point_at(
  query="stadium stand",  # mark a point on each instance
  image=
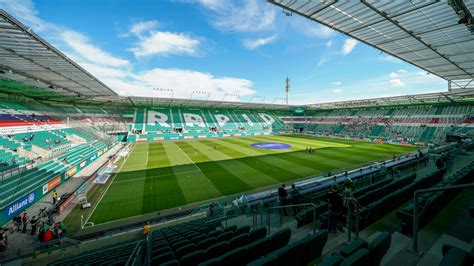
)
(47, 135)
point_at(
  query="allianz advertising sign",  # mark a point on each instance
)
(20, 205)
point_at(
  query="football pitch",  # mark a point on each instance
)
(165, 175)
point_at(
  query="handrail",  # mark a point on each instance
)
(134, 255)
(292, 206)
(415, 207)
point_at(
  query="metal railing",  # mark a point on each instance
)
(135, 257)
(41, 248)
(290, 206)
(349, 222)
(415, 207)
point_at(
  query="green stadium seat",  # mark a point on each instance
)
(280, 239)
(198, 238)
(332, 260)
(243, 229)
(159, 251)
(234, 257)
(176, 245)
(453, 256)
(257, 234)
(238, 241)
(230, 228)
(217, 250)
(226, 236)
(211, 262)
(180, 252)
(315, 244)
(259, 248)
(214, 233)
(353, 247)
(269, 260)
(192, 258)
(359, 258)
(292, 254)
(204, 244)
(168, 263)
(379, 246)
(160, 259)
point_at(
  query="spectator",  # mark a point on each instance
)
(296, 198)
(420, 154)
(4, 240)
(25, 219)
(282, 195)
(212, 208)
(335, 208)
(17, 223)
(54, 195)
(146, 229)
(34, 224)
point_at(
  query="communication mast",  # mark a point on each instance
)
(287, 88)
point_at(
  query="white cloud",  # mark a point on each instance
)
(348, 46)
(82, 46)
(336, 83)
(329, 43)
(24, 9)
(380, 86)
(153, 42)
(402, 71)
(390, 59)
(322, 61)
(140, 27)
(255, 43)
(119, 74)
(396, 83)
(164, 43)
(337, 91)
(308, 28)
(393, 75)
(182, 82)
(245, 16)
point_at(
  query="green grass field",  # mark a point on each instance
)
(164, 175)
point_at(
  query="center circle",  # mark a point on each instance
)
(271, 145)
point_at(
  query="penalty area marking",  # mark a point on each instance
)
(187, 156)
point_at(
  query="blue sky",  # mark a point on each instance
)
(231, 50)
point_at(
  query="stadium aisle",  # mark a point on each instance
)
(19, 240)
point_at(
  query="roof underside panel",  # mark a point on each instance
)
(25, 54)
(423, 33)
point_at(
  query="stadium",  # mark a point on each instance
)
(110, 179)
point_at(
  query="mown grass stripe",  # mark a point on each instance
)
(189, 176)
(218, 175)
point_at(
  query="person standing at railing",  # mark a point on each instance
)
(295, 198)
(146, 229)
(283, 196)
(335, 203)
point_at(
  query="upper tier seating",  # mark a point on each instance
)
(43, 139)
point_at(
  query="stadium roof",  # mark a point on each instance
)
(26, 57)
(424, 33)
